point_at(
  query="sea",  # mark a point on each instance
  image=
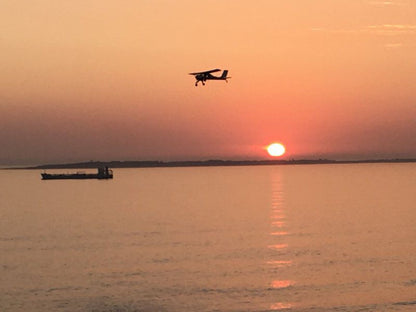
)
(301, 238)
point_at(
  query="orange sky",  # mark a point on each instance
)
(108, 80)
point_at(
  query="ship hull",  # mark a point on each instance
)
(75, 176)
(104, 173)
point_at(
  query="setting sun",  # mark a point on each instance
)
(276, 149)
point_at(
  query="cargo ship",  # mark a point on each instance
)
(102, 173)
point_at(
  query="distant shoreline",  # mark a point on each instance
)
(207, 163)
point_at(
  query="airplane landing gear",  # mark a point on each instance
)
(196, 83)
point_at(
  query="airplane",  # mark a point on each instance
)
(206, 75)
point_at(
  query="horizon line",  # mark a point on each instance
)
(205, 163)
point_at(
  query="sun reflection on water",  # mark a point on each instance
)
(279, 231)
(280, 263)
(278, 224)
(280, 306)
(278, 216)
(282, 283)
(277, 246)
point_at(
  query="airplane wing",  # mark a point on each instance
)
(206, 72)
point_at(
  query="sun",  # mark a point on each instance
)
(276, 149)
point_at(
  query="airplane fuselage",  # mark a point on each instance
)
(204, 76)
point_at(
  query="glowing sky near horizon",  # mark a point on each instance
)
(108, 80)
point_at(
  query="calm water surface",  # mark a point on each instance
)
(267, 238)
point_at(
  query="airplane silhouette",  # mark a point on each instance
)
(207, 75)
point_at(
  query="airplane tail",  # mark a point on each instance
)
(224, 74)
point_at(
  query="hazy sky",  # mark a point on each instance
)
(108, 80)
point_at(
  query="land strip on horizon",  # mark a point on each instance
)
(207, 163)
